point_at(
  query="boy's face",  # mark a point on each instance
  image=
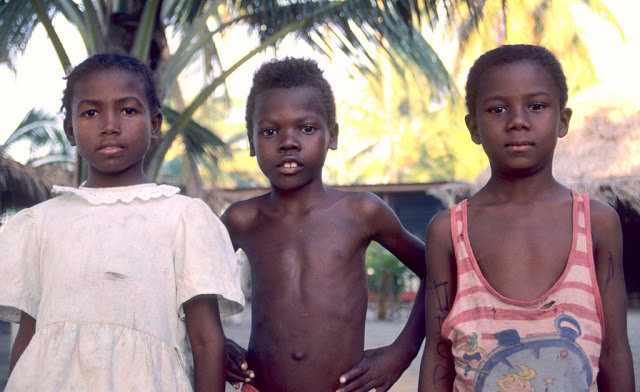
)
(291, 136)
(518, 117)
(111, 122)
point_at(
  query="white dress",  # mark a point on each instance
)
(105, 272)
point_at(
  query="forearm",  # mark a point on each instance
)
(209, 366)
(412, 335)
(616, 370)
(207, 343)
(437, 371)
(16, 352)
(25, 333)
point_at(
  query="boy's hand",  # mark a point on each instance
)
(379, 369)
(237, 367)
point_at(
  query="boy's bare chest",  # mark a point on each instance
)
(308, 266)
(305, 243)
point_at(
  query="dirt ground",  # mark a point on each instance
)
(381, 333)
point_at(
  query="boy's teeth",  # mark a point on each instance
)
(290, 164)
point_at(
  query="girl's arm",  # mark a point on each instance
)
(207, 342)
(616, 366)
(25, 333)
(437, 370)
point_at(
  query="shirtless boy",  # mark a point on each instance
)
(306, 245)
(526, 284)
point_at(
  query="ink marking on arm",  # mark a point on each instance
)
(611, 270)
(443, 353)
(439, 373)
(442, 372)
(443, 300)
(440, 319)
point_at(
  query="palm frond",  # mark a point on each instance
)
(56, 159)
(42, 133)
(144, 32)
(18, 20)
(35, 122)
(357, 28)
(183, 13)
(202, 147)
(599, 8)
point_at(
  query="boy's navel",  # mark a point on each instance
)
(298, 355)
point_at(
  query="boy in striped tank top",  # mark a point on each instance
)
(526, 283)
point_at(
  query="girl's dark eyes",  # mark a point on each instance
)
(269, 132)
(89, 113)
(92, 112)
(537, 106)
(497, 109)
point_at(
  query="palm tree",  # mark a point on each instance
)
(46, 141)
(541, 22)
(355, 28)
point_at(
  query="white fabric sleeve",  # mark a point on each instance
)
(205, 262)
(20, 289)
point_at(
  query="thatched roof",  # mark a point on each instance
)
(600, 156)
(27, 185)
(603, 142)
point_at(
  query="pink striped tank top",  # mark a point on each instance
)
(550, 344)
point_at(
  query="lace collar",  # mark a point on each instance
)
(125, 194)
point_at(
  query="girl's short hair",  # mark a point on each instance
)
(508, 54)
(111, 61)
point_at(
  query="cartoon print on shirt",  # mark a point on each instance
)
(518, 382)
(474, 355)
(550, 363)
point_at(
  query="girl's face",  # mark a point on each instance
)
(518, 118)
(112, 124)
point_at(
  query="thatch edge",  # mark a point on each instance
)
(611, 190)
(30, 185)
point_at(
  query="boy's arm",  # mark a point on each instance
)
(381, 368)
(231, 220)
(616, 366)
(437, 370)
(207, 342)
(237, 366)
(25, 333)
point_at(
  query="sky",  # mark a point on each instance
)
(39, 82)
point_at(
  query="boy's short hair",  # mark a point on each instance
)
(105, 61)
(508, 54)
(287, 73)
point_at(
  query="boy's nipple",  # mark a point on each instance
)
(298, 355)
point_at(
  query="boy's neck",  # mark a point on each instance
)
(299, 199)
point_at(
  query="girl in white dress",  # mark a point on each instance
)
(118, 285)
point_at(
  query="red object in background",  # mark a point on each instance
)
(408, 296)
